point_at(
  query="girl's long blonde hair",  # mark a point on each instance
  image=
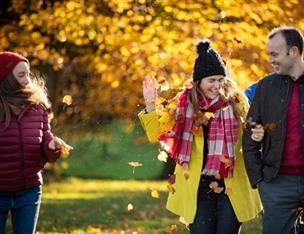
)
(12, 93)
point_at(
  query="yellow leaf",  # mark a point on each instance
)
(162, 156)
(163, 84)
(135, 164)
(155, 193)
(172, 105)
(209, 115)
(170, 188)
(130, 207)
(173, 228)
(67, 99)
(64, 165)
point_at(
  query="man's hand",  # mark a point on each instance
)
(257, 133)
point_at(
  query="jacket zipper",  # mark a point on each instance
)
(21, 153)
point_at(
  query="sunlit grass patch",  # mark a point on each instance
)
(79, 206)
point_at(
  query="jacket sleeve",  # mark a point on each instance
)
(251, 148)
(49, 155)
(152, 126)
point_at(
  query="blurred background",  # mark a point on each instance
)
(94, 55)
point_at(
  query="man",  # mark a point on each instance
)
(278, 105)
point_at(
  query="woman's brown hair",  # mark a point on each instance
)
(227, 93)
(13, 94)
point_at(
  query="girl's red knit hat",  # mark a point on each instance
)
(8, 60)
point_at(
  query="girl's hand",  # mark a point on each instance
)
(257, 133)
(150, 92)
(58, 144)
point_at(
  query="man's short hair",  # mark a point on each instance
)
(292, 36)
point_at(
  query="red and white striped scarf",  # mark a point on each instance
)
(222, 135)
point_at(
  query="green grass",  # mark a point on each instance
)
(89, 160)
(80, 206)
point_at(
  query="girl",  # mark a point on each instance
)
(209, 189)
(26, 142)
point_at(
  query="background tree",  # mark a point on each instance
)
(98, 51)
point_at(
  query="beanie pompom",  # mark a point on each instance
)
(202, 46)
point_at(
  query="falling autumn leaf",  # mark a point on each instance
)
(269, 126)
(209, 115)
(202, 118)
(227, 162)
(130, 207)
(162, 156)
(163, 84)
(134, 165)
(196, 130)
(172, 105)
(67, 99)
(238, 41)
(160, 101)
(170, 188)
(171, 179)
(154, 193)
(65, 149)
(64, 165)
(173, 228)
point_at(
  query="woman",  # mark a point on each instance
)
(210, 188)
(26, 142)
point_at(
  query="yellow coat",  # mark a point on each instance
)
(245, 201)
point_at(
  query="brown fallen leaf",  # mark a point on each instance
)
(171, 179)
(170, 188)
(173, 228)
(226, 161)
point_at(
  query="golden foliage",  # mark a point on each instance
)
(101, 50)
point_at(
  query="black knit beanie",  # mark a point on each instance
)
(208, 62)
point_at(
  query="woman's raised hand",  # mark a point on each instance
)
(150, 92)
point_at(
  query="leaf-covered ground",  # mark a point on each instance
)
(117, 207)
